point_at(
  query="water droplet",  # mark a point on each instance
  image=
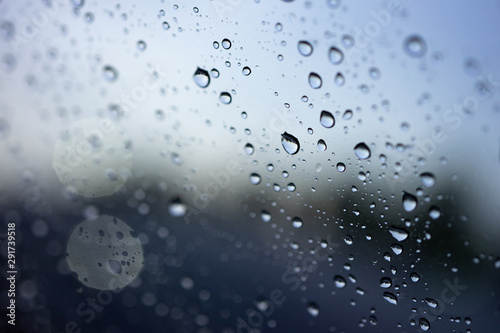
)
(427, 179)
(305, 48)
(347, 41)
(414, 277)
(399, 234)
(165, 25)
(374, 73)
(339, 79)
(362, 151)
(215, 45)
(315, 80)
(177, 208)
(336, 56)
(347, 115)
(431, 302)
(340, 167)
(225, 97)
(110, 73)
(290, 143)
(246, 71)
(391, 298)
(424, 324)
(321, 145)
(215, 73)
(409, 202)
(348, 239)
(255, 178)
(278, 26)
(89, 17)
(291, 187)
(397, 249)
(313, 309)
(265, 216)
(339, 281)
(415, 46)
(196, 9)
(326, 119)
(115, 266)
(249, 149)
(435, 212)
(297, 222)
(385, 282)
(141, 45)
(201, 78)
(226, 43)
(334, 4)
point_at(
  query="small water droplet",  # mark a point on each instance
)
(215, 45)
(305, 48)
(424, 324)
(347, 41)
(340, 167)
(226, 43)
(385, 282)
(321, 145)
(414, 277)
(177, 208)
(255, 178)
(215, 73)
(110, 73)
(335, 55)
(431, 302)
(290, 143)
(315, 80)
(391, 298)
(165, 25)
(313, 309)
(374, 73)
(427, 179)
(362, 151)
(348, 239)
(291, 187)
(397, 249)
(265, 216)
(398, 233)
(339, 79)
(326, 119)
(225, 98)
(297, 222)
(246, 71)
(334, 4)
(435, 212)
(339, 281)
(249, 149)
(409, 202)
(141, 45)
(415, 46)
(201, 78)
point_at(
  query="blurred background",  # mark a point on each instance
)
(251, 166)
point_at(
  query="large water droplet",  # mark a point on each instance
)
(315, 80)
(415, 46)
(326, 119)
(362, 151)
(225, 97)
(391, 298)
(336, 56)
(201, 78)
(399, 234)
(290, 143)
(313, 309)
(339, 281)
(305, 48)
(409, 202)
